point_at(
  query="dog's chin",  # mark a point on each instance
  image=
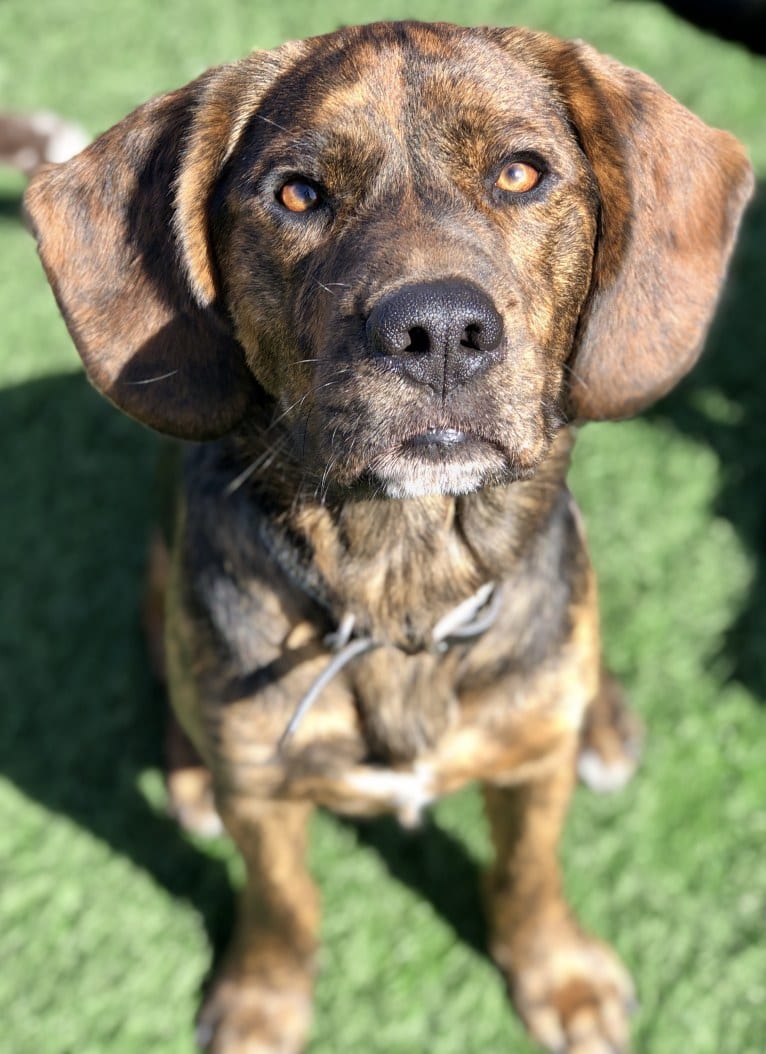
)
(444, 462)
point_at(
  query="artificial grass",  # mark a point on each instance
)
(108, 914)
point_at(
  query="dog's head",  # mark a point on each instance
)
(420, 247)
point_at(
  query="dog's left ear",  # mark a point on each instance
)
(122, 231)
(672, 191)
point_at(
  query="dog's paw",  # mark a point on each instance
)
(605, 775)
(191, 802)
(610, 741)
(244, 1016)
(574, 995)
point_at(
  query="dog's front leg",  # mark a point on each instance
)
(571, 991)
(260, 1000)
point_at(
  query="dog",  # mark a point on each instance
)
(377, 278)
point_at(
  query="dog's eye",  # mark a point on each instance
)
(298, 195)
(519, 177)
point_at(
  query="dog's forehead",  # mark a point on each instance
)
(396, 81)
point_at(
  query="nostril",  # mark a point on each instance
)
(472, 337)
(483, 333)
(420, 341)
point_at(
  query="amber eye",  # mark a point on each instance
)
(519, 177)
(298, 196)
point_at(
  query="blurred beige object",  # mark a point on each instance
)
(28, 140)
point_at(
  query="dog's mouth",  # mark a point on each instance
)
(439, 461)
(437, 443)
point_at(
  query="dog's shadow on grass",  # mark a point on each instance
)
(722, 405)
(81, 719)
(421, 859)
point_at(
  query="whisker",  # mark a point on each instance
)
(268, 456)
(243, 477)
(263, 460)
(299, 402)
(325, 287)
(332, 437)
(267, 120)
(576, 376)
(322, 488)
(279, 446)
(312, 391)
(153, 380)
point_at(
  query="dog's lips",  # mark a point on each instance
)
(437, 442)
(438, 461)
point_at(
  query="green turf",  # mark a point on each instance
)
(107, 913)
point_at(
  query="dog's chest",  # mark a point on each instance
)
(518, 744)
(402, 731)
(406, 793)
(397, 727)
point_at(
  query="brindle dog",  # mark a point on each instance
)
(384, 271)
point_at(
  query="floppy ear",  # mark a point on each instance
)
(122, 231)
(672, 192)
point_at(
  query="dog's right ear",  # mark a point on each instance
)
(672, 192)
(122, 231)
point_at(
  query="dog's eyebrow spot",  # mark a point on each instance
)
(374, 89)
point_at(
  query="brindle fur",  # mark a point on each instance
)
(205, 310)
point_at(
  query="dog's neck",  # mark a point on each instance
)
(380, 559)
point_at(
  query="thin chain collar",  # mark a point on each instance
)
(467, 620)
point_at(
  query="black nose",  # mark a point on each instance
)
(442, 333)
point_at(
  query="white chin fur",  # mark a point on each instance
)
(411, 478)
